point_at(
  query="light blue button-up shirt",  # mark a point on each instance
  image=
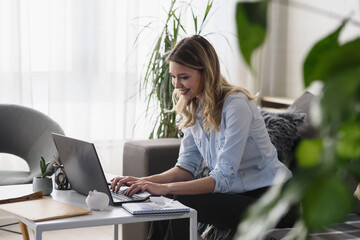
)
(240, 156)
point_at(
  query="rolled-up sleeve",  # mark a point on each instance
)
(237, 119)
(189, 155)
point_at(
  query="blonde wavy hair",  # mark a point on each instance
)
(197, 53)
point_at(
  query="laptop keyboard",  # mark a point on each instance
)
(120, 196)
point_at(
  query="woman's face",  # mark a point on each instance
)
(188, 81)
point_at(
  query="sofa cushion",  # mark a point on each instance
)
(282, 128)
(303, 105)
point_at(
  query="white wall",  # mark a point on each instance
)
(295, 26)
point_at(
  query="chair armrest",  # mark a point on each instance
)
(148, 157)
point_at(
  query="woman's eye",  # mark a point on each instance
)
(184, 78)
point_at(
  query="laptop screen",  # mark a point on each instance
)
(81, 164)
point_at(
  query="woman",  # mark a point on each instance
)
(222, 126)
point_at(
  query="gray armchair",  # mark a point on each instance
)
(26, 133)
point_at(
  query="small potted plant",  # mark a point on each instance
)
(43, 183)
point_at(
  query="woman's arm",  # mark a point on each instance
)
(175, 174)
(198, 186)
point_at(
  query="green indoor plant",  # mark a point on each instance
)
(157, 80)
(324, 162)
(43, 182)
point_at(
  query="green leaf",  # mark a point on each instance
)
(348, 146)
(327, 57)
(207, 11)
(251, 20)
(315, 56)
(268, 210)
(195, 21)
(340, 99)
(327, 200)
(43, 167)
(354, 168)
(308, 152)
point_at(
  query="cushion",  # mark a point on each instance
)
(282, 129)
(303, 105)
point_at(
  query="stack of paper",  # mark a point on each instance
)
(156, 205)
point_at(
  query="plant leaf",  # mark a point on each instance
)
(327, 57)
(267, 211)
(251, 20)
(308, 153)
(340, 99)
(326, 201)
(207, 11)
(195, 21)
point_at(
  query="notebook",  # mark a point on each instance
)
(156, 205)
(84, 170)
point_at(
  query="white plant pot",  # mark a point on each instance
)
(43, 184)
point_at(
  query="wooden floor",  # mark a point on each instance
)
(93, 233)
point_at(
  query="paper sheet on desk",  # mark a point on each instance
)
(156, 205)
(162, 202)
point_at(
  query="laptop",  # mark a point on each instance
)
(84, 170)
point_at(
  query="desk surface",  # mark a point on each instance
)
(110, 216)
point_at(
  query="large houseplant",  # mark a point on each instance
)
(157, 80)
(324, 162)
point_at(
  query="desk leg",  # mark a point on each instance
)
(38, 235)
(116, 231)
(193, 227)
(24, 231)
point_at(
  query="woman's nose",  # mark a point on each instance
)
(176, 83)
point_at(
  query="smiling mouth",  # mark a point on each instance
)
(184, 91)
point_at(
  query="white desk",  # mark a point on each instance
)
(110, 216)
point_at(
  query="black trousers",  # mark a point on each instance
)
(219, 209)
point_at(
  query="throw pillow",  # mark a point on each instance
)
(282, 128)
(302, 105)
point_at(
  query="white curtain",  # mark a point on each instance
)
(76, 61)
(80, 62)
(73, 60)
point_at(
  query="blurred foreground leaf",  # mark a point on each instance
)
(328, 57)
(340, 99)
(319, 183)
(251, 21)
(266, 212)
(327, 200)
(308, 153)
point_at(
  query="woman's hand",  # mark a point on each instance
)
(117, 182)
(152, 188)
